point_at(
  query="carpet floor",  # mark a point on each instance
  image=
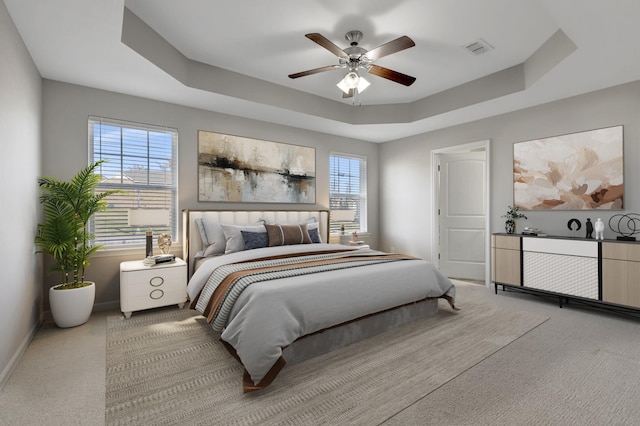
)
(166, 367)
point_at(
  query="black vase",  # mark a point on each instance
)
(510, 226)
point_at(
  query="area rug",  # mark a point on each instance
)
(166, 367)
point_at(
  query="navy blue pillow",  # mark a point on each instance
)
(314, 235)
(254, 240)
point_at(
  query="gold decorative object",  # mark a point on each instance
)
(164, 242)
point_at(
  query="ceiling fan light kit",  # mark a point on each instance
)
(355, 58)
(353, 81)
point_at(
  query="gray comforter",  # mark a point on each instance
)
(269, 315)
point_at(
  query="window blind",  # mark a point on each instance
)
(142, 163)
(348, 190)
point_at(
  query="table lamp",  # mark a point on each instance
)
(148, 218)
(342, 216)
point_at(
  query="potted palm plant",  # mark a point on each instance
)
(64, 234)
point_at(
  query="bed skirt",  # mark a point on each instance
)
(334, 338)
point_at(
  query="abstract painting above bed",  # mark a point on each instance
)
(237, 169)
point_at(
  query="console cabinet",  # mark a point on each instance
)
(603, 272)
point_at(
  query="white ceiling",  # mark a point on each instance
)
(234, 56)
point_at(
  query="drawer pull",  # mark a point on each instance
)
(156, 281)
(156, 294)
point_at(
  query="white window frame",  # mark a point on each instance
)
(166, 193)
(348, 200)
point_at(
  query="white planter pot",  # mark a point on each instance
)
(72, 307)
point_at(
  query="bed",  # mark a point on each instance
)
(276, 292)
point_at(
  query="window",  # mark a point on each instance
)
(142, 161)
(348, 190)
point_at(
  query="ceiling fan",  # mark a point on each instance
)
(355, 59)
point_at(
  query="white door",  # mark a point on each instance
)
(461, 217)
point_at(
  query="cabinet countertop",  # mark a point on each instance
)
(137, 265)
(563, 237)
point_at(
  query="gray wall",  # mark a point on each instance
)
(405, 216)
(66, 108)
(20, 107)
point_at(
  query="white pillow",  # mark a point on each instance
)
(233, 235)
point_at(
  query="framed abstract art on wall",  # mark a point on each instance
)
(239, 169)
(577, 171)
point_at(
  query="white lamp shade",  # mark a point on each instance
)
(149, 217)
(353, 81)
(362, 84)
(343, 86)
(343, 215)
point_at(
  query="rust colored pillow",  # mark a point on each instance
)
(282, 235)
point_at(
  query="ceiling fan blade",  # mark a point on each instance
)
(327, 44)
(393, 46)
(314, 71)
(392, 75)
(348, 95)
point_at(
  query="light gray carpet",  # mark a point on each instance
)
(581, 367)
(166, 368)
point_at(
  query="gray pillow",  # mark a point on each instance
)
(214, 241)
(233, 234)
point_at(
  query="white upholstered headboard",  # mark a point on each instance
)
(192, 243)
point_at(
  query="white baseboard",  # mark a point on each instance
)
(17, 356)
(46, 315)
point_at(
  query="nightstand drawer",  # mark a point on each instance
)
(154, 299)
(142, 283)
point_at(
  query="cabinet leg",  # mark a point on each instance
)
(127, 314)
(181, 305)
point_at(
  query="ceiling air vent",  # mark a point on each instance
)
(478, 47)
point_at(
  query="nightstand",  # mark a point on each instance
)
(145, 287)
(347, 240)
